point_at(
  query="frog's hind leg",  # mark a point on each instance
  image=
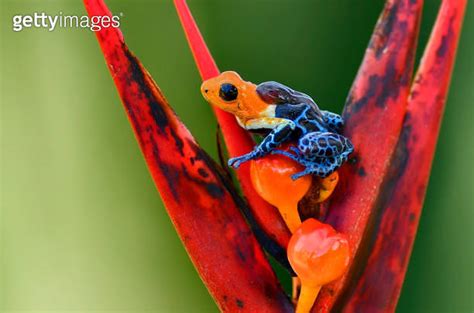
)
(323, 153)
(321, 167)
(333, 120)
(277, 136)
(324, 145)
(320, 152)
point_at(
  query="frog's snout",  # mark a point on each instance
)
(206, 91)
(204, 88)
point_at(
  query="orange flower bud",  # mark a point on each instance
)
(319, 255)
(271, 178)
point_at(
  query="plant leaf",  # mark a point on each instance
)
(238, 141)
(403, 192)
(199, 199)
(374, 114)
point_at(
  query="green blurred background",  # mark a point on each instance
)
(82, 226)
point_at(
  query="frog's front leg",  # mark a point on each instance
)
(333, 120)
(281, 130)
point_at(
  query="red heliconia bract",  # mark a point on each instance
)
(402, 194)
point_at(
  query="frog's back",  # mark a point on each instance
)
(275, 93)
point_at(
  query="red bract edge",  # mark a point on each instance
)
(237, 140)
(374, 114)
(402, 195)
(200, 201)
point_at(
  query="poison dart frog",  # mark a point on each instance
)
(283, 115)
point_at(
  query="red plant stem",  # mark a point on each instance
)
(401, 202)
(238, 141)
(374, 114)
(199, 199)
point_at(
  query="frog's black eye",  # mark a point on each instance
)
(228, 92)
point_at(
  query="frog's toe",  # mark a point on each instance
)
(237, 162)
(300, 174)
(234, 162)
(295, 150)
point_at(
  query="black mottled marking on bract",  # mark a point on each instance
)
(379, 87)
(389, 84)
(178, 141)
(213, 189)
(384, 29)
(156, 108)
(203, 172)
(240, 253)
(354, 107)
(170, 172)
(137, 76)
(239, 303)
(407, 73)
(171, 175)
(443, 47)
(354, 159)
(445, 40)
(361, 172)
(133, 117)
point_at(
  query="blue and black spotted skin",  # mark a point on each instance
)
(321, 148)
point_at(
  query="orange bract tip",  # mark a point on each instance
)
(317, 253)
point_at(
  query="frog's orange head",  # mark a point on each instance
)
(230, 93)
